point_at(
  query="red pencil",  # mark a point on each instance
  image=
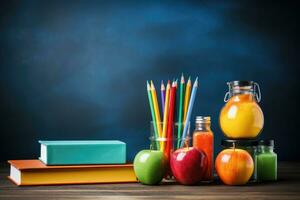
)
(171, 118)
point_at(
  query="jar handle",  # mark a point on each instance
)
(227, 96)
(257, 92)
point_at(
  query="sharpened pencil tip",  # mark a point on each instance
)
(148, 85)
(152, 85)
(168, 86)
(162, 86)
(182, 79)
(196, 82)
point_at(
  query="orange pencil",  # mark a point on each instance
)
(187, 98)
(166, 114)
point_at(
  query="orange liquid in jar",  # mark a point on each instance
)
(204, 140)
(241, 117)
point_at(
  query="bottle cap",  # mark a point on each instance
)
(202, 118)
(239, 143)
(266, 143)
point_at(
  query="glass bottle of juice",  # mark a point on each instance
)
(203, 139)
(266, 164)
(241, 117)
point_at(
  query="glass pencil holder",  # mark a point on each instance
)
(169, 138)
(169, 141)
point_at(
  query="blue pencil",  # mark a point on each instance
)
(189, 112)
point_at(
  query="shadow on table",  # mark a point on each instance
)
(219, 182)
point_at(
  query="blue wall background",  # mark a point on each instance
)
(77, 69)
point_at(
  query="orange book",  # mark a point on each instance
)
(35, 172)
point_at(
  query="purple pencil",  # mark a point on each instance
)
(163, 95)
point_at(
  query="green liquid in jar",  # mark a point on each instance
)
(266, 164)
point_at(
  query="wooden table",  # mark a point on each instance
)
(287, 187)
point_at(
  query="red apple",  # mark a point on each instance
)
(188, 165)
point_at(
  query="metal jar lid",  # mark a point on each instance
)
(239, 143)
(269, 143)
(240, 83)
(202, 119)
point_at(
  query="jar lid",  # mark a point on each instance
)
(240, 83)
(202, 118)
(239, 143)
(266, 143)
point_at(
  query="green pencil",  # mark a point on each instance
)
(153, 115)
(180, 110)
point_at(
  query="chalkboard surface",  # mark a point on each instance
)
(78, 69)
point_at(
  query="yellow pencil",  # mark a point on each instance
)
(166, 112)
(156, 109)
(187, 98)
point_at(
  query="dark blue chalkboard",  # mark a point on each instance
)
(77, 69)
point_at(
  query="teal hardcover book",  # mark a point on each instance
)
(76, 152)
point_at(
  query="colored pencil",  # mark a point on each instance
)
(171, 118)
(166, 114)
(153, 114)
(187, 98)
(180, 107)
(156, 109)
(163, 93)
(189, 112)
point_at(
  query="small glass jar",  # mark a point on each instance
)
(241, 117)
(248, 145)
(203, 139)
(168, 143)
(266, 164)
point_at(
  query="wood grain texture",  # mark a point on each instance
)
(287, 187)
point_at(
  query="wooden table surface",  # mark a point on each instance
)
(287, 187)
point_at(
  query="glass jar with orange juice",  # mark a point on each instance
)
(203, 139)
(241, 117)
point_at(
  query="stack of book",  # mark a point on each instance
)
(75, 162)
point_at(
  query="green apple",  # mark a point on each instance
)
(150, 166)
